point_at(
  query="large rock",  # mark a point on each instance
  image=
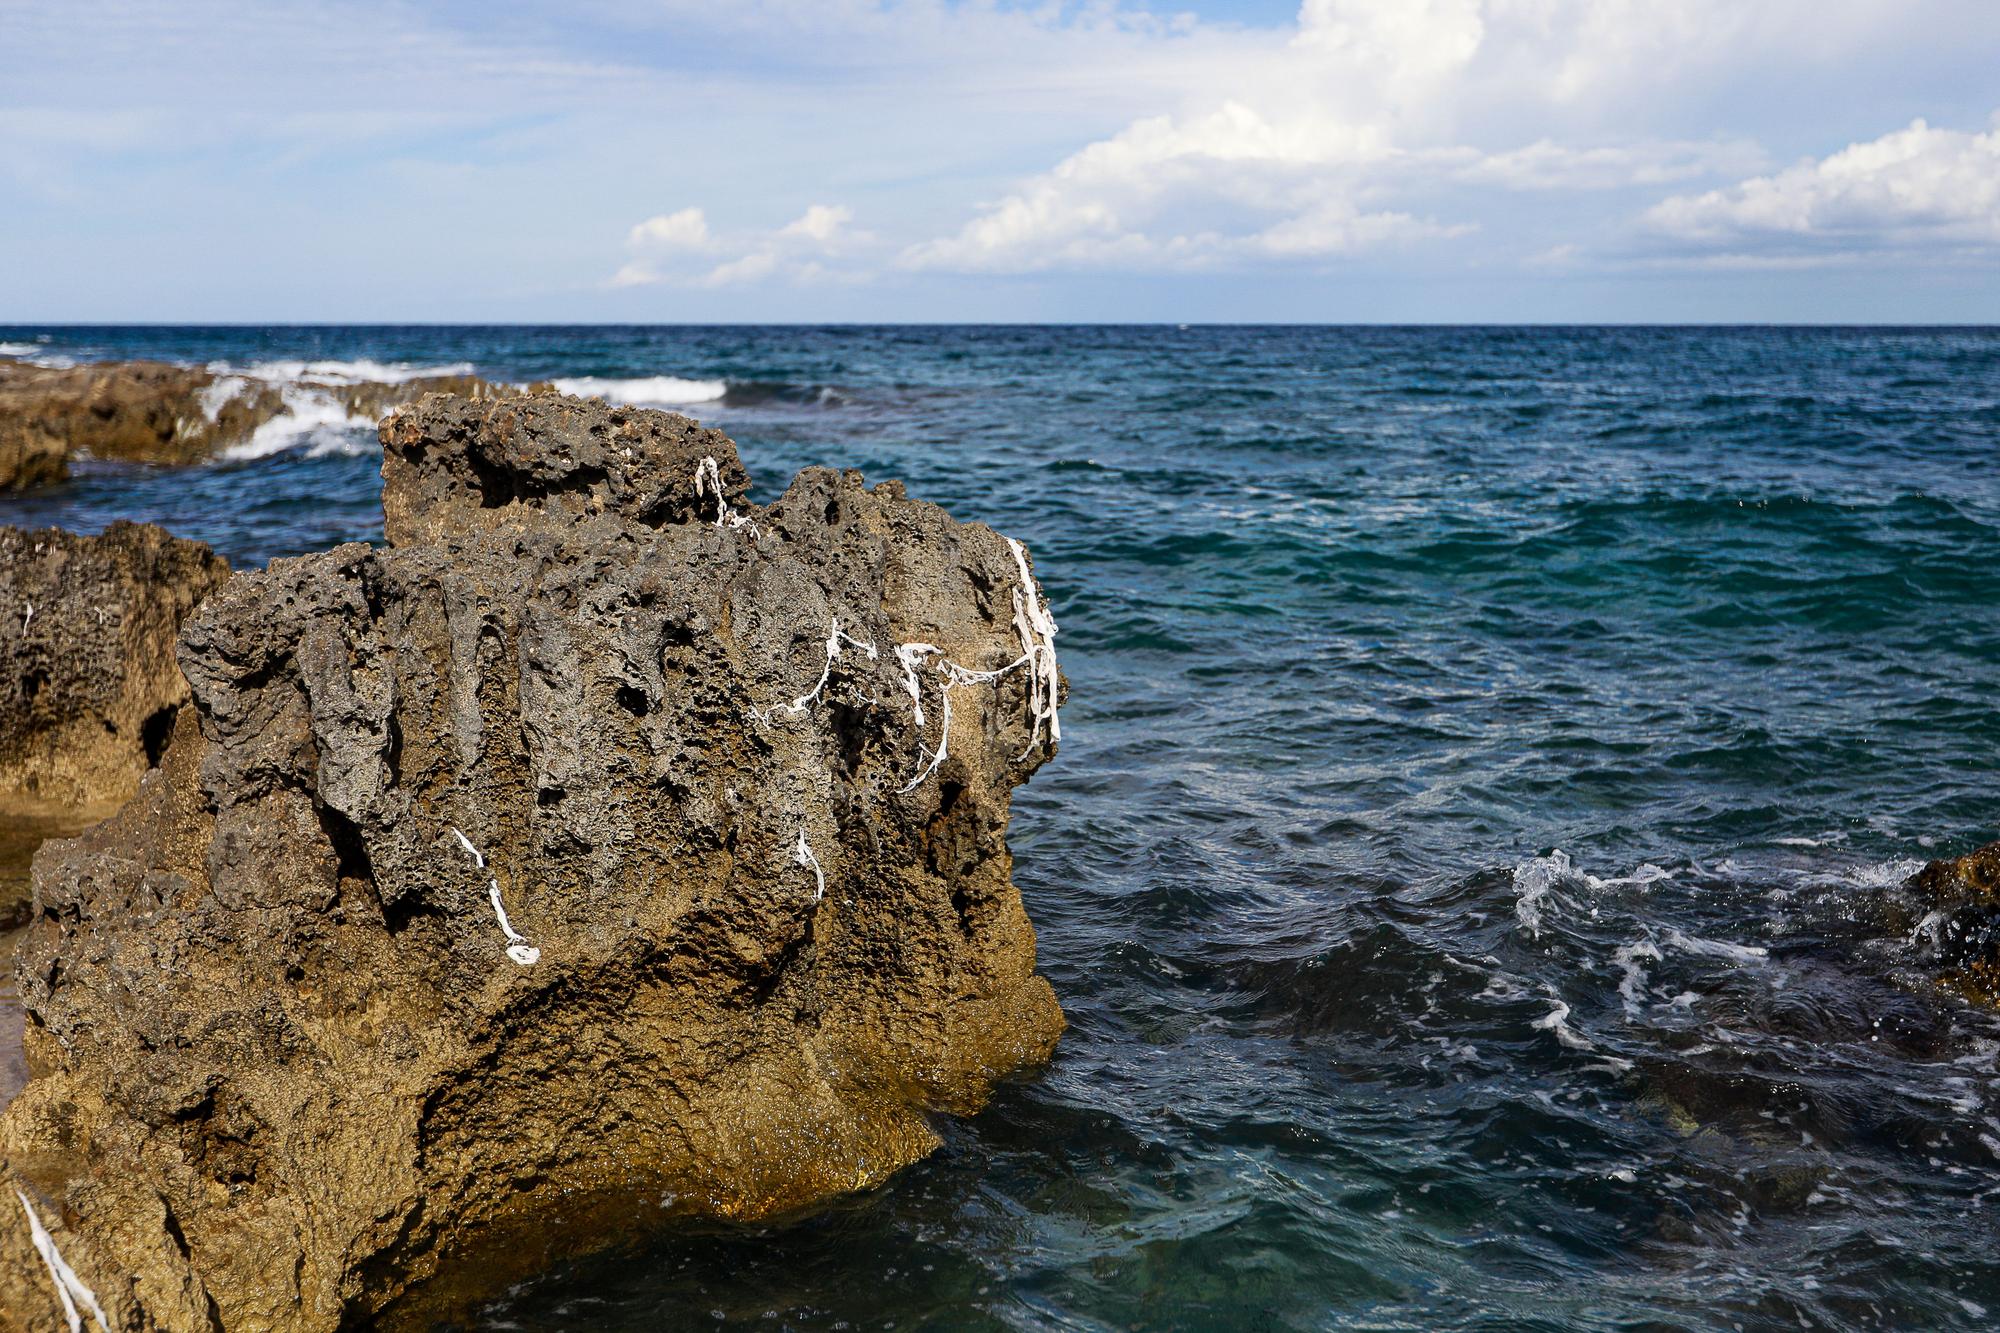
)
(579, 862)
(155, 412)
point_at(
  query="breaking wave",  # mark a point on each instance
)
(341, 372)
(314, 421)
(647, 391)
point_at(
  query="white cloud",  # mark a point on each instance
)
(1548, 165)
(753, 267)
(1344, 139)
(684, 230)
(667, 243)
(1915, 187)
(819, 223)
(1182, 193)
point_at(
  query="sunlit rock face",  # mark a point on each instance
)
(581, 860)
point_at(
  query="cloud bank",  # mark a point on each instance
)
(986, 158)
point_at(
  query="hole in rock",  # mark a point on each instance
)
(155, 732)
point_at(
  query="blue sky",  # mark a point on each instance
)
(1339, 160)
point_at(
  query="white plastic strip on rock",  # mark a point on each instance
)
(1037, 629)
(69, 1287)
(518, 948)
(707, 477)
(802, 855)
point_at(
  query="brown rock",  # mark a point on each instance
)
(158, 413)
(1949, 912)
(295, 1069)
(90, 684)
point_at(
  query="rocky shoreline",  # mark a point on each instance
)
(169, 415)
(603, 851)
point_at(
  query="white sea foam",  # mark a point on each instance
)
(1533, 882)
(220, 392)
(1630, 959)
(18, 349)
(315, 420)
(1700, 948)
(341, 372)
(1884, 875)
(1537, 880)
(652, 391)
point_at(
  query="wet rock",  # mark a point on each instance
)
(155, 412)
(577, 863)
(1949, 915)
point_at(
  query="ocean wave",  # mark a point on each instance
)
(18, 349)
(646, 391)
(341, 372)
(314, 420)
(1538, 879)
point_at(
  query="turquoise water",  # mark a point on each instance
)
(1483, 747)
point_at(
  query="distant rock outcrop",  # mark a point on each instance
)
(605, 850)
(155, 412)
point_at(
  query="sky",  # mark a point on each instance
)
(1341, 161)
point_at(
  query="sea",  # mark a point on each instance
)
(1484, 750)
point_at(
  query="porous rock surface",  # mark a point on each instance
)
(88, 680)
(288, 1074)
(156, 412)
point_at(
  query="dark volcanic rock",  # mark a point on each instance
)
(579, 862)
(155, 412)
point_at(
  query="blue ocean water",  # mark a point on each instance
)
(1483, 745)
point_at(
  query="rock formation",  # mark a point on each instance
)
(88, 627)
(603, 851)
(154, 412)
(1949, 915)
(88, 681)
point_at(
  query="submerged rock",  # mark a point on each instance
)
(592, 856)
(156, 412)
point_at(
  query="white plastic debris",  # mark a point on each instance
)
(708, 477)
(69, 1287)
(518, 948)
(802, 855)
(954, 675)
(1037, 629)
(911, 655)
(27, 617)
(835, 637)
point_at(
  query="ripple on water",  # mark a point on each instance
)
(1363, 626)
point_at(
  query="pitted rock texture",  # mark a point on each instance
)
(90, 685)
(288, 1076)
(156, 412)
